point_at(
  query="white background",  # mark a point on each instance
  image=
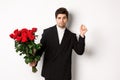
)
(101, 60)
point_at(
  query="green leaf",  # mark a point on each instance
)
(21, 54)
(16, 44)
(30, 51)
(37, 58)
(26, 50)
(37, 46)
(28, 60)
(34, 69)
(17, 50)
(30, 46)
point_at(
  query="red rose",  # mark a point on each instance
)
(18, 38)
(24, 37)
(29, 32)
(15, 31)
(24, 30)
(32, 37)
(34, 29)
(24, 34)
(12, 36)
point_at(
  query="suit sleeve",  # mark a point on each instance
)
(43, 43)
(79, 45)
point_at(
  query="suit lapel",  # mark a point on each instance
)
(55, 34)
(65, 38)
(65, 41)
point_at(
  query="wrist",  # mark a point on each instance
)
(82, 35)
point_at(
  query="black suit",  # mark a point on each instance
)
(57, 57)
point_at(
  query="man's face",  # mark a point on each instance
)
(61, 20)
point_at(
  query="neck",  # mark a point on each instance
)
(62, 27)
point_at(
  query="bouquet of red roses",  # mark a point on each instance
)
(24, 43)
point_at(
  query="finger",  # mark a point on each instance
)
(85, 28)
(32, 64)
(81, 27)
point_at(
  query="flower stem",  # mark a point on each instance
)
(34, 69)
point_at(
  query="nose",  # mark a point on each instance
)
(62, 20)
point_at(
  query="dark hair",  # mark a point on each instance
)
(61, 10)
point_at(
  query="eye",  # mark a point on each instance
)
(59, 17)
(64, 17)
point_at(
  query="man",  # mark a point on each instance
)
(57, 43)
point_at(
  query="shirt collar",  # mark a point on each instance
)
(60, 29)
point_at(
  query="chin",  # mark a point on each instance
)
(62, 26)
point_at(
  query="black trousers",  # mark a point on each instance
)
(50, 79)
(57, 79)
(46, 79)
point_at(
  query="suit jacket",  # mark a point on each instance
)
(57, 57)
